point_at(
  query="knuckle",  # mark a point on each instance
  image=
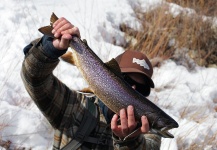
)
(58, 31)
(65, 21)
(61, 18)
(68, 25)
(130, 114)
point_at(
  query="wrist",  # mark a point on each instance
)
(133, 143)
(119, 139)
(49, 49)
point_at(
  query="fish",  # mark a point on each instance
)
(106, 82)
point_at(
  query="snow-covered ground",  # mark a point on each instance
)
(189, 96)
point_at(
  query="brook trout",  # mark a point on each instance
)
(111, 88)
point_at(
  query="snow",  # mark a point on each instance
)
(189, 96)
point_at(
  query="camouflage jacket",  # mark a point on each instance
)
(64, 108)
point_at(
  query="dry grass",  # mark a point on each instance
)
(207, 140)
(163, 33)
(202, 7)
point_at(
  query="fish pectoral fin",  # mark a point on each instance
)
(163, 132)
(87, 92)
(68, 57)
(113, 65)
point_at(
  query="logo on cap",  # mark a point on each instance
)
(141, 63)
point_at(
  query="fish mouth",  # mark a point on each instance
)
(163, 132)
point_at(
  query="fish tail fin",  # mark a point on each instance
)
(47, 30)
(53, 18)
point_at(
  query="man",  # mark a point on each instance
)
(66, 109)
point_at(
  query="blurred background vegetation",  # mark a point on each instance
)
(189, 35)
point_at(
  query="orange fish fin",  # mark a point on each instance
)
(86, 90)
(68, 57)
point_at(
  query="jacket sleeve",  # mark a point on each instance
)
(152, 141)
(56, 101)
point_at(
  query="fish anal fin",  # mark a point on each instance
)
(113, 65)
(87, 92)
(68, 57)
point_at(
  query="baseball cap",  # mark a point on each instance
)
(136, 62)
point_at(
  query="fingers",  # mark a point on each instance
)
(131, 118)
(122, 129)
(116, 129)
(132, 123)
(72, 31)
(63, 31)
(143, 129)
(62, 43)
(124, 122)
(127, 122)
(63, 26)
(56, 22)
(145, 124)
(61, 22)
(114, 125)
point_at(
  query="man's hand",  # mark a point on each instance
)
(128, 124)
(63, 31)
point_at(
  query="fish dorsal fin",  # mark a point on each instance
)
(113, 65)
(68, 57)
(47, 30)
(85, 42)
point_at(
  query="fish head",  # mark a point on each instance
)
(162, 127)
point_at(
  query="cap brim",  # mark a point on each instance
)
(133, 70)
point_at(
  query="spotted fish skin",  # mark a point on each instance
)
(113, 91)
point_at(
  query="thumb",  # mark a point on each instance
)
(63, 42)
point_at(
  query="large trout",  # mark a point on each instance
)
(112, 89)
